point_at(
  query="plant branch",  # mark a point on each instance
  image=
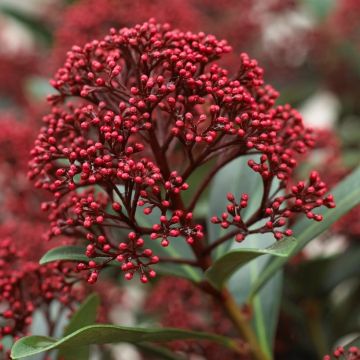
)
(209, 177)
(221, 240)
(259, 212)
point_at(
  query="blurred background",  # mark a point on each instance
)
(310, 50)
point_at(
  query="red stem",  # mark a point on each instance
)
(220, 241)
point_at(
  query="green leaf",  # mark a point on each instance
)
(105, 334)
(65, 253)
(347, 196)
(160, 352)
(71, 253)
(85, 315)
(224, 267)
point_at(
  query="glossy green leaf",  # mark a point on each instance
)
(159, 351)
(85, 315)
(71, 253)
(347, 196)
(105, 334)
(224, 267)
(65, 253)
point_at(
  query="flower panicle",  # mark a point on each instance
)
(152, 106)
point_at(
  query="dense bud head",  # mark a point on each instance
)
(153, 105)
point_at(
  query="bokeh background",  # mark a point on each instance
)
(310, 50)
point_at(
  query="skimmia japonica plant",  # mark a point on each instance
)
(136, 116)
(153, 107)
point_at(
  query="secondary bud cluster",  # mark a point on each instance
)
(179, 224)
(275, 212)
(233, 216)
(303, 198)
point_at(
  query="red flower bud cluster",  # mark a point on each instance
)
(303, 198)
(234, 210)
(180, 224)
(25, 286)
(352, 353)
(146, 96)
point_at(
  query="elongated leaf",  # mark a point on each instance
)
(159, 351)
(347, 196)
(70, 253)
(65, 253)
(85, 315)
(266, 308)
(224, 267)
(104, 334)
